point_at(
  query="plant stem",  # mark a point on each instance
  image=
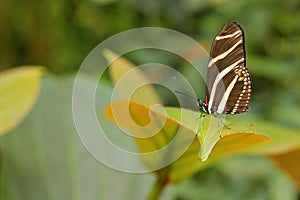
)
(1, 177)
(158, 186)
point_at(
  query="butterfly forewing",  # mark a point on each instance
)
(228, 80)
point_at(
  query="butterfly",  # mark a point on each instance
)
(228, 82)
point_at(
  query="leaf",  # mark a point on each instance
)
(45, 159)
(272, 68)
(153, 132)
(209, 134)
(19, 88)
(284, 139)
(163, 129)
(130, 80)
(289, 162)
(283, 148)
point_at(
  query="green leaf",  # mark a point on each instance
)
(159, 130)
(273, 69)
(209, 134)
(19, 88)
(44, 157)
(283, 138)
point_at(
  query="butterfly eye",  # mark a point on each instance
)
(201, 103)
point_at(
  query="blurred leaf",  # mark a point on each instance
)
(272, 69)
(44, 158)
(160, 130)
(281, 186)
(152, 129)
(104, 2)
(291, 109)
(19, 88)
(130, 76)
(238, 177)
(284, 138)
(289, 162)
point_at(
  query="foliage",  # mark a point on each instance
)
(18, 91)
(240, 136)
(42, 157)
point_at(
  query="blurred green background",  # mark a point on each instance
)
(60, 33)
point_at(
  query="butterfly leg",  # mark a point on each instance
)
(219, 128)
(221, 123)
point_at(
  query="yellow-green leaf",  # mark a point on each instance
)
(208, 133)
(130, 82)
(161, 130)
(284, 139)
(235, 143)
(19, 89)
(153, 132)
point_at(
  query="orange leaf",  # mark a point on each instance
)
(237, 143)
(130, 82)
(289, 162)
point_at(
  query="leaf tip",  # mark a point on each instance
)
(109, 55)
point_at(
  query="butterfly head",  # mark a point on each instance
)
(203, 106)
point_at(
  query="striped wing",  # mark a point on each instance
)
(228, 80)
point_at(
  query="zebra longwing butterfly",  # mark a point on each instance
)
(228, 82)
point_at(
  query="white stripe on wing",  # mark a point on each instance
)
(219, 78)
(221, 37)
(221, 56)
(225, 97)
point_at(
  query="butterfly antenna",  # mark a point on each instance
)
(178, 92)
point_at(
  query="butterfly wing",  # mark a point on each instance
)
(228, 80)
